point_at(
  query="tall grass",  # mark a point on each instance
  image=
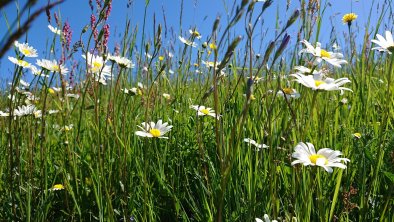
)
(203, 171)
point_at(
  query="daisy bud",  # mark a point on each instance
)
(268, 52)
(292, 18)
(285, 42)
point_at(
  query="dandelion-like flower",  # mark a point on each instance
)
(25, 49)
(325, 157)
(55, 30)
(319, 82)
(154, 130)
(57, 187)
(19, 62)
(385, 45)
(349, 18)
(289, 93)
(357, 135)
(52, 66)
(333, 58)
(187, 42)
(204, 111)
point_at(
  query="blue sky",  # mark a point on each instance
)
(196, 13)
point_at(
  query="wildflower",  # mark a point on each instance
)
(266, 219)
(52, 66)
(252, 97)
(25, 49)
(349, 18)
(289, 93)
(123, 62)
(167, 96)
(155, 130)
(210, 64)
(385, 45)
(318, 82)
(333, 58)
(19, 62)
(213, 46)
(187, 42)
(51, 91)
(357, 135)
(55, 30)
(71, 95)
(305, 70)
(36, 72)
(96, 64)
(57, 187)
(195, 33)
(161, 58)
(205, 111)
(67, 34)
(254, 143)
(25, 110)
(326, 158)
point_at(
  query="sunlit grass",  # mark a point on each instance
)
(210, 131)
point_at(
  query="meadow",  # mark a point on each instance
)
(207, 128)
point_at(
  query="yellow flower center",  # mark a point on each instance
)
(324, 53)
(155, 132)
(23, 63)
(318, 83)
(26, 51)
(288, 91)
(313, 158)
(205, 111)
(196, 33)
(161, 58)
(56, 68)
(51, 91)
(212, 46)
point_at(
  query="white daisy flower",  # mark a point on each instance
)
(318, 82)
(52, 66)
(385, 45)
(167, 96)
(333, 58)
(19, 62)
(204, 111)
(4, 114)
(154, 130)
(195, 33)
(25, 49)
(25, 110)
(305, 70)
(187, 42)
(55, 30)
(289, 93)
(325, 157)
(254, 143)
(37, 72)
(122, 61)
(266, 219)
(96, 64)
(71, 95)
